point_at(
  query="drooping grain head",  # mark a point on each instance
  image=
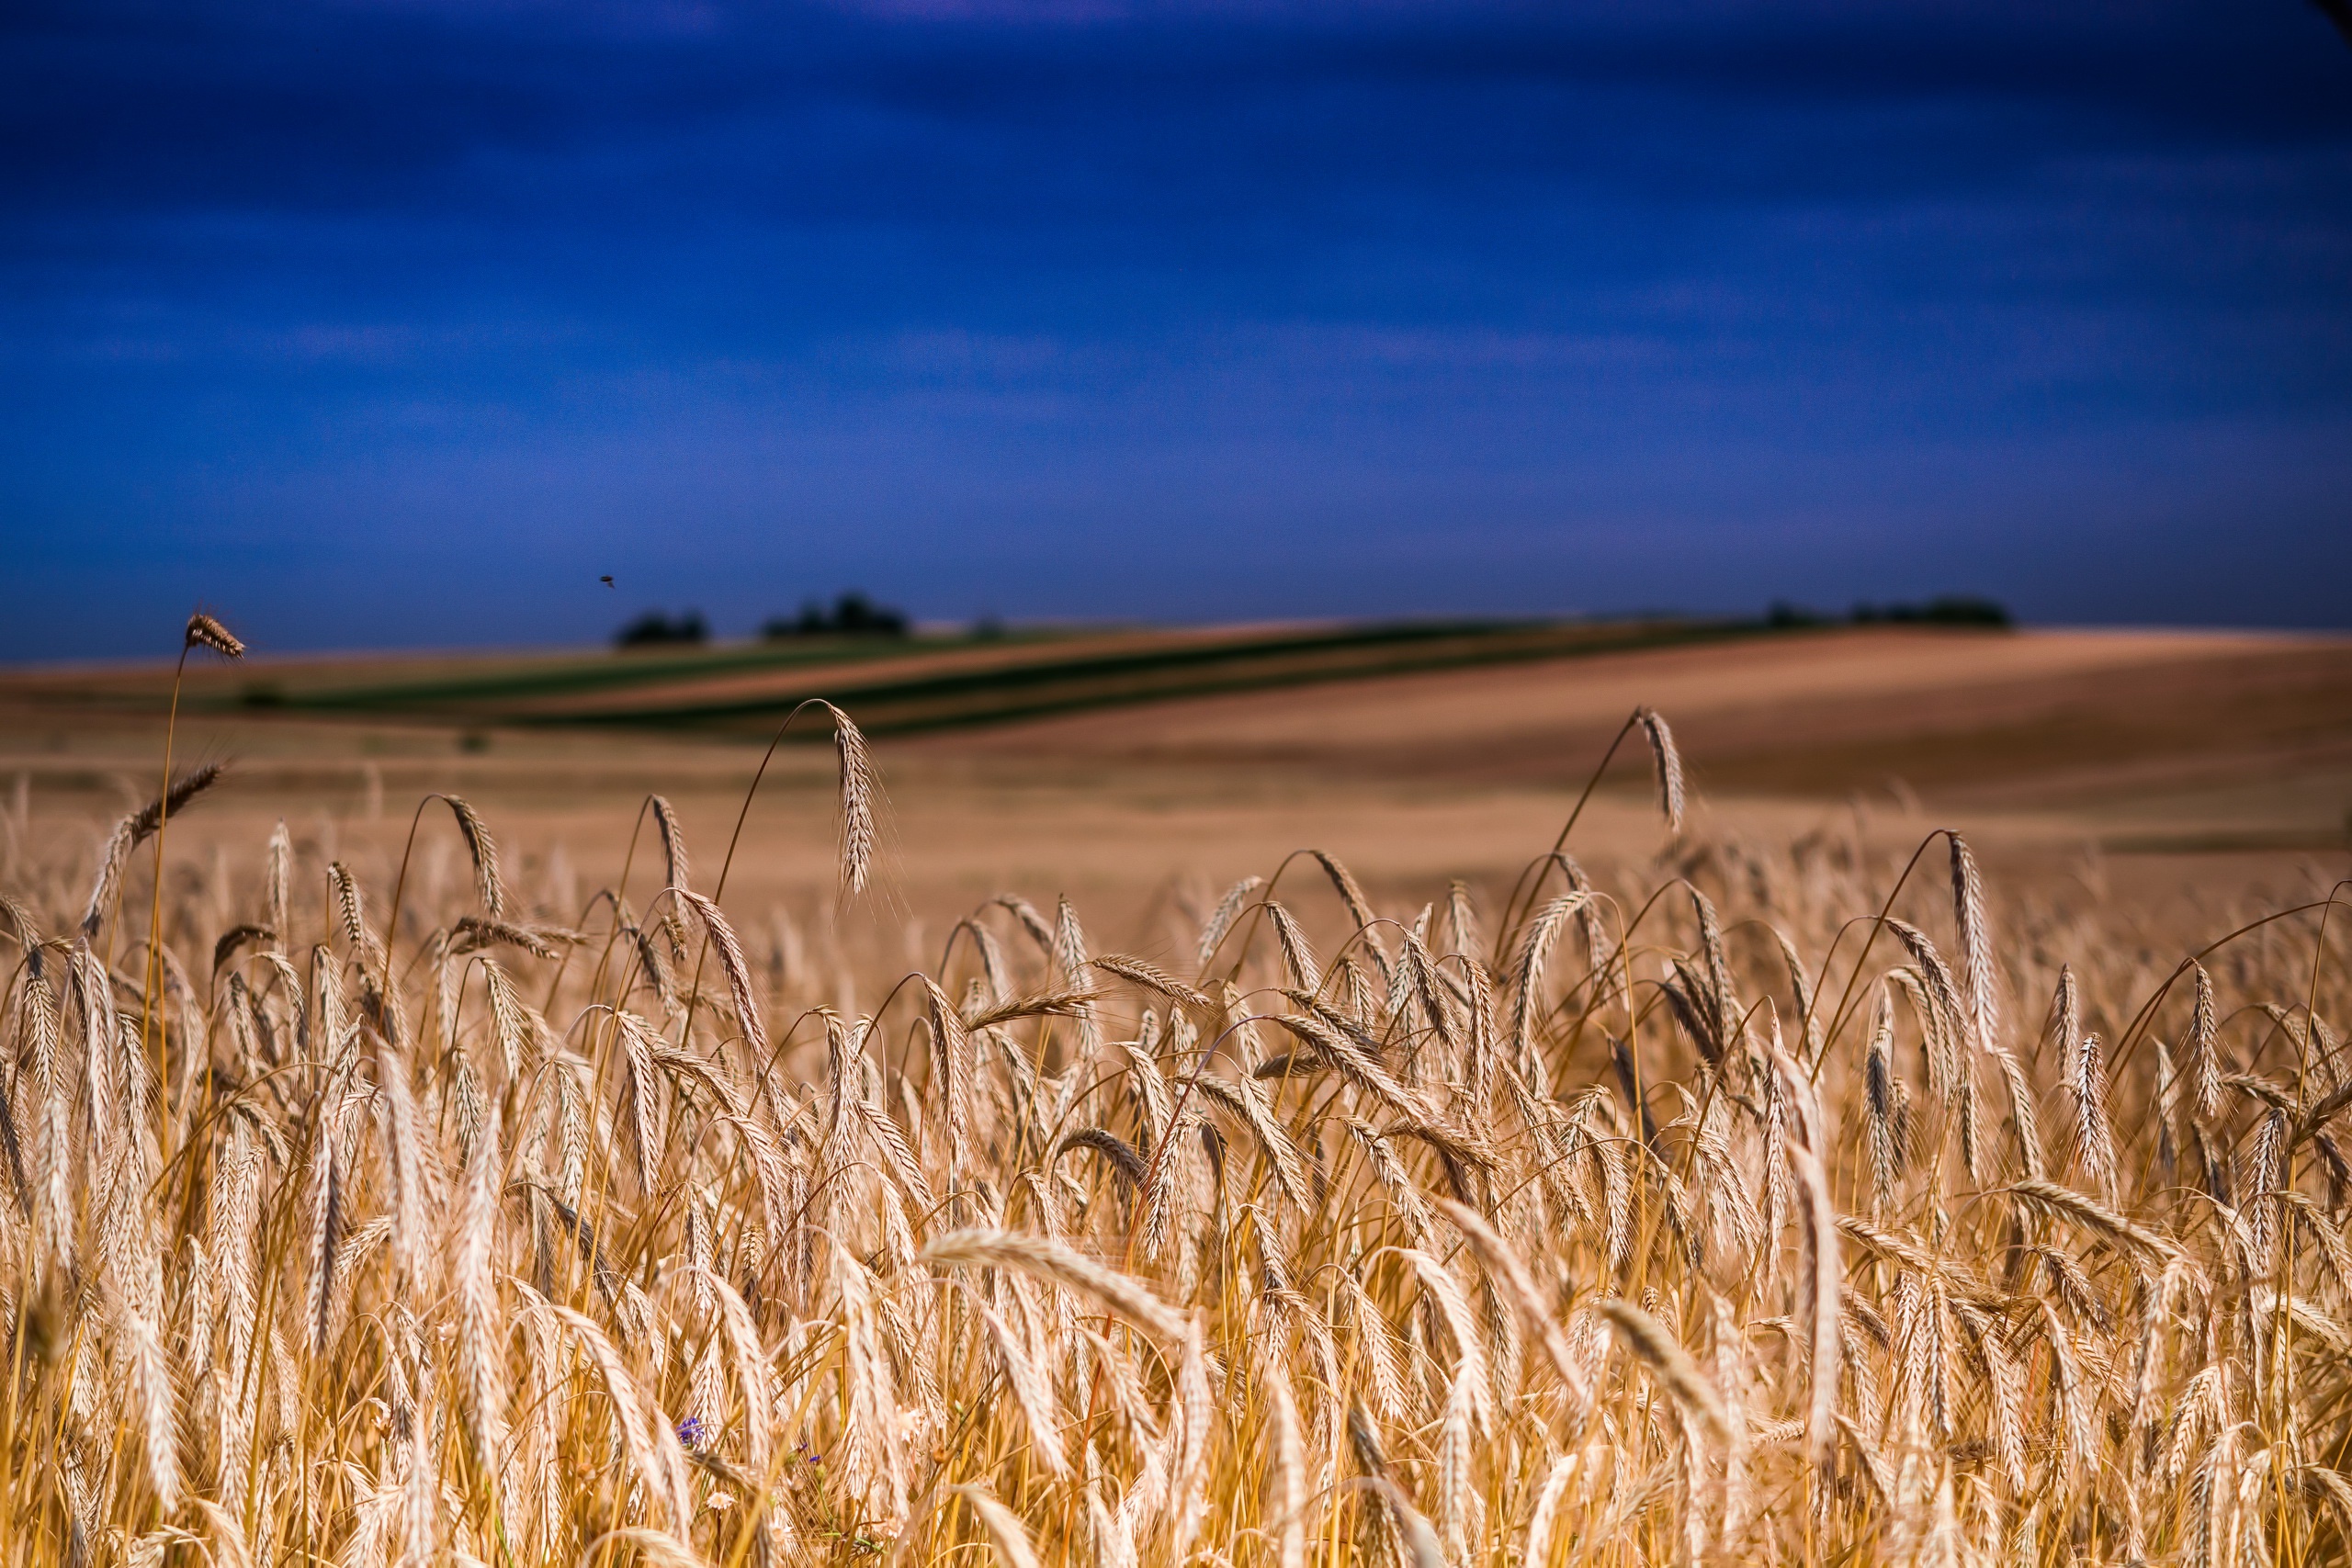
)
(204, 631)
(1976, 961)
(1667, 761)
(482, 850)
(860, 792)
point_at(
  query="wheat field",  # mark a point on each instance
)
(1758, 1202)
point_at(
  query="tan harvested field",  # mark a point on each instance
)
(2037, 716)
(2172, 756)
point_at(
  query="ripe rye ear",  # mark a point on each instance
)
(136, 829)
(1505, 1268)
(2204, 1054)
(1663, 1355)
(279, 884)
(482, 850)
(204, 631)
(737, 970)
(1122, 1293)
(1668, 764)
(1221, 920)
(860, 788)
(1006, 1532)
(2094, 1135)
(1976, 946)
(675, 868)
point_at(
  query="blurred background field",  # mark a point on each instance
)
(1127, 766)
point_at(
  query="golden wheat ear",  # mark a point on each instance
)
(674, 867)
(1667, 761)
(860, 789)
(136, 829)
(204, 631)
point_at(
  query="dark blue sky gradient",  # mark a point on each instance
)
(371, 324)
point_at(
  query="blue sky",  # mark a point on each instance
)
(373, 323)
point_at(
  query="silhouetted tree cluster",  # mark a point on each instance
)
(1944, 610)
(852, 615)
(654, 630)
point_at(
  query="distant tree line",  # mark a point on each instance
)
(850, 614)
(655, 629)
(1944, 610)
